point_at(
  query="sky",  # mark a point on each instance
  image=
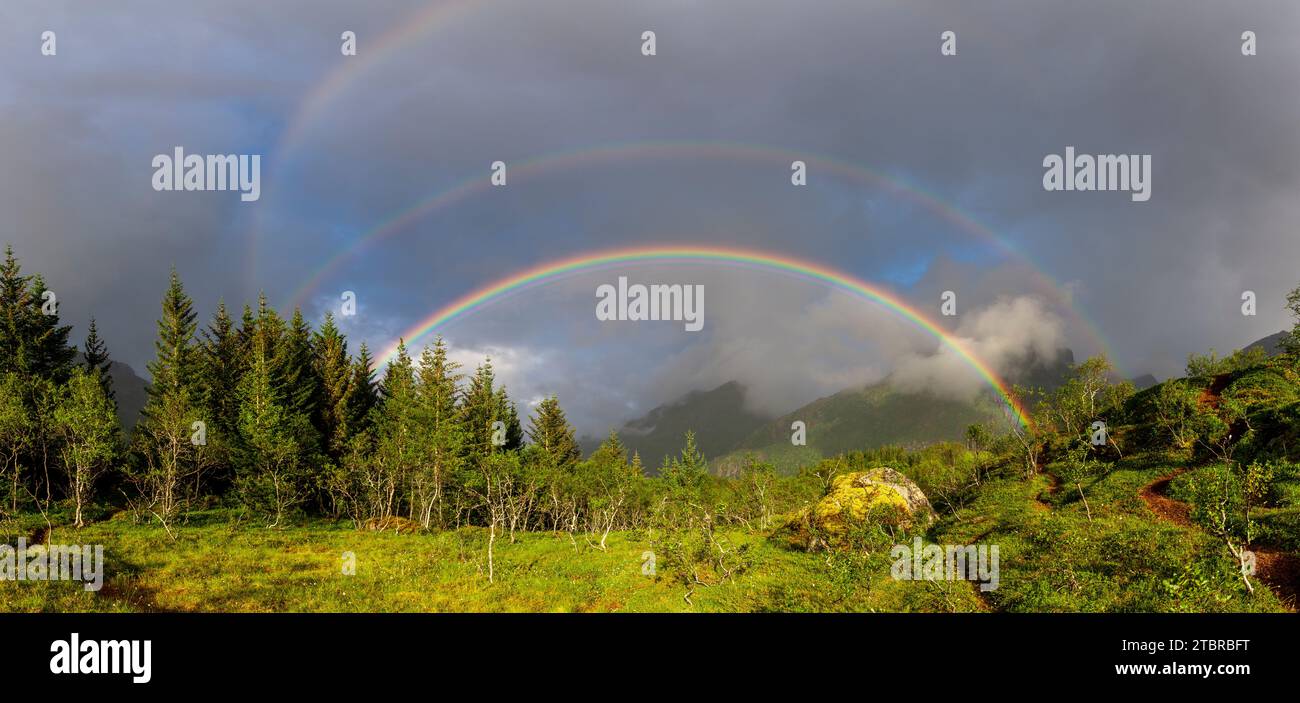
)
(925, 175)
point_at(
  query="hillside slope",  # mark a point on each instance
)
(862, 418)
(718, 418)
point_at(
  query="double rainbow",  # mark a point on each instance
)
(766, 261)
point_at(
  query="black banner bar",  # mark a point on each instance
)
(220, 652)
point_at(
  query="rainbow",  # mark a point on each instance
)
(372, 54)
(550, 271)
(438, 14)
(776, 158)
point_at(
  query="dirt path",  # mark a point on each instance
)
(1211, 395)
(1039, 502)
(1276, 569)
(1280, 571)
(1156, 498)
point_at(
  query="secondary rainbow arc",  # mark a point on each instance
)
(765, 156)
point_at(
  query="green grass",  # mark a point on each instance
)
(1124, 559)
(211, 566)
(1053, 558)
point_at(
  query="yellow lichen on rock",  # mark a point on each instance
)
(850, 503)
(856, 500)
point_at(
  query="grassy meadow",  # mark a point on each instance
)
(1057, 555)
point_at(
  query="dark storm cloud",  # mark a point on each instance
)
(501, 79)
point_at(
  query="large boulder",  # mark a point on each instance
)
(857, 500)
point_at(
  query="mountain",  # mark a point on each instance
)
(880, 414)
(1143, 382)
(130, 390)
(852, 419)
(1034, 371)
(718, 417)
(862, 418)
(1272, 344)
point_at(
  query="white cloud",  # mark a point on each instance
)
(1000, 335)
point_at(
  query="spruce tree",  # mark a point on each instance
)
(247, 327)
(402, 441)
(333, 370)
(171, 439)
(98, 363)
(399, 377)
(15, 305)
(51, 356)
(294, 359)
(437, 388)
(172, 371)
(438, 379)
(509, 416)
(270, 325)
(32, 343)
(221, 366)
(690, 470)
(362, 394)
(34, 348)
(479, 411)
(551, 432)
(269, 474)
(612, 450)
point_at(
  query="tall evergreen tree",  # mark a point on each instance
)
(438, 379)
(247, 327)
(479, 411)
(437, 386)
(52, 357)
(402, 440)
(332, 368)
(171, 439)
(399, 377)
(550, 431)
(172, 371)
(270, 325)
(220, 367)
(690, 470)
(509, 415)
(15, 306)
(294, 359)
(362, 393)
(269, 474)
(32, 342)
(98, 363)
